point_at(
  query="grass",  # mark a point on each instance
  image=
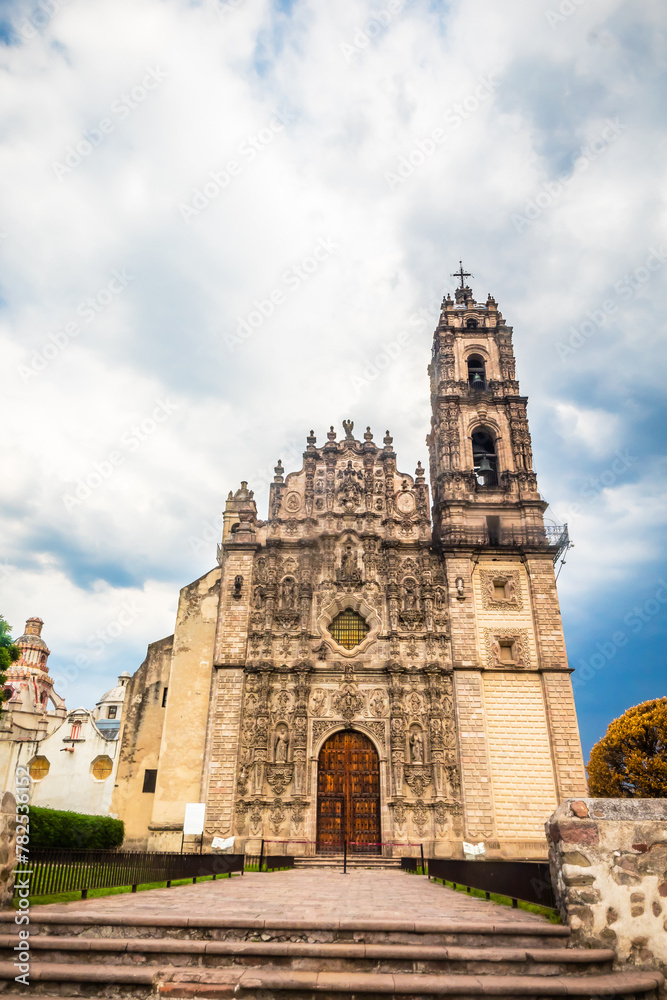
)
(255, 868)
(553, 916)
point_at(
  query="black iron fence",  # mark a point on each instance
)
(529, 881)
(52, 871)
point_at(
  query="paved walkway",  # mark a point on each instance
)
(303, 894)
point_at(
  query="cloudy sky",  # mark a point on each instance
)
(215, 217)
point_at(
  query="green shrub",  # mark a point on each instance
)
(74, 831)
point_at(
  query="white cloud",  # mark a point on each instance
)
(346, 124)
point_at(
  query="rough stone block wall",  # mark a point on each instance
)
(475, 773)
(570, 771)
(524, 792)
(223, 750)
(609, 869)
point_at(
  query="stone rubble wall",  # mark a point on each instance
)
(609, 869)
(7, 848)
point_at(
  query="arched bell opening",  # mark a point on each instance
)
(485, 458)
(476, 372)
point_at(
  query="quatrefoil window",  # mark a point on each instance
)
(349, 629)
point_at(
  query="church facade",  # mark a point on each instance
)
(371, 664)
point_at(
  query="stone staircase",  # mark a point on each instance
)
(324, 861)
(142, 955)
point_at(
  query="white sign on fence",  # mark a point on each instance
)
(222, 844)
(473, 849)
(193, 824)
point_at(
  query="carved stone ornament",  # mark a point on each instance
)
(318, 702)
(411, 620)
(506, 581)
(417, 777)
(378, 703)
(321, 726)
(348, 702)
(400, 815)
(277, 815)
(287, 619)
(241, 813)
(520, 647)
(292, 502)
(379, 731)
(279, 776)
(420, 816)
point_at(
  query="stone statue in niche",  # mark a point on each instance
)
(258, 598)
(416, 748)
(318, 702)
(348, 563)
(410, 595)
(289, 593)
(281, 749)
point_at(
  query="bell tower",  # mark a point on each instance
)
(519, 739)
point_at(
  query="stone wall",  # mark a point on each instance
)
(609, 869)
(7, 848)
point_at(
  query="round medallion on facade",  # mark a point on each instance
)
(405, 502)
(292, 502)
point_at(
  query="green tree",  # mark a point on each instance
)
(630, 761)
(9, 653)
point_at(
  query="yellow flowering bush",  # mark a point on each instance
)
(630, 761)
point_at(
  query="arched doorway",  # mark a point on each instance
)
(348, 794)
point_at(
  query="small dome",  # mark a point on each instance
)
(117, 693)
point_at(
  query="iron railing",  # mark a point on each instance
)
(552, 538)
(529, 881)
(269, 862)
(52, 871)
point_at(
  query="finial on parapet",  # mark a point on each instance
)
(419, 475)
(368, 434)
(348, 426)
(331, 433)
(388, 441)
(310, 440)
(279, 471)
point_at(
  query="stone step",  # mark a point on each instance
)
(350, 957)
(58, 980)
(515, 933)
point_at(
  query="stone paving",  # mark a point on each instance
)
(303, 894)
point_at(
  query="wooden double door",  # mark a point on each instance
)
(348, 795)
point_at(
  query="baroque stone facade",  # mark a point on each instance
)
(434, 632)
